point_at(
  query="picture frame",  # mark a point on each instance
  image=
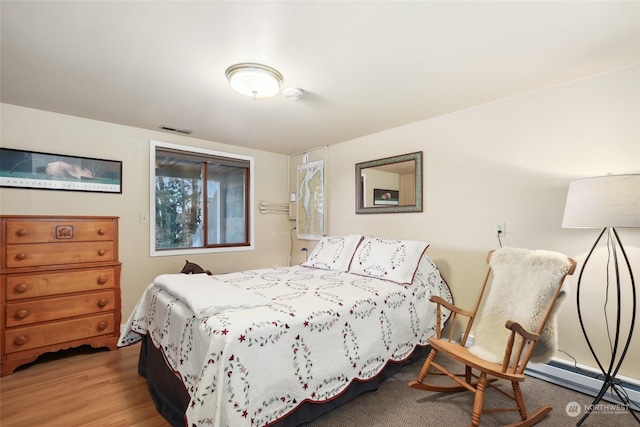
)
(310, 216)
(48, 171)
(407, 167)
(386, 197)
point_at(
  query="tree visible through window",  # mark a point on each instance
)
(201, 199)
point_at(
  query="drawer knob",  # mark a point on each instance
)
(102, 280)
(21, 256)
(101, 252)
(21, 232)
(21, 288)
(21, 314)
(102, 325)
(21, 340)
(103, 302)
(102, 232)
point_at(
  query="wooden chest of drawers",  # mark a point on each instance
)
(60, 279)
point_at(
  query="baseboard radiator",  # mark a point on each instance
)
(582, 379)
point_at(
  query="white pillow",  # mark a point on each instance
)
(334, 252)
(393, 260)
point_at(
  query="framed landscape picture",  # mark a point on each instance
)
(46, 171)
(385, 197)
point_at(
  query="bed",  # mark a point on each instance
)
(280, 346)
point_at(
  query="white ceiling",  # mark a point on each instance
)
(364, 66)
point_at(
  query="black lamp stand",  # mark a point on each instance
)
(610, 381)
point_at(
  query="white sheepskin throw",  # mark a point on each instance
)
(524, 282)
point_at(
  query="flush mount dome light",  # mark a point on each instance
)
(254, 80)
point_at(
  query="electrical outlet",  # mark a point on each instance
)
(500, 230)
(469, 341)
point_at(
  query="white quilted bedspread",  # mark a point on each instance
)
(322, 330)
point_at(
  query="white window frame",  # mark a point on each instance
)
(152, 200)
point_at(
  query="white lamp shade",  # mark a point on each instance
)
(605, 201)
(254, 80)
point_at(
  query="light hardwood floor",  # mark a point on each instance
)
(79, 387)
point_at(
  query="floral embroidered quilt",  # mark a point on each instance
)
(322, 330)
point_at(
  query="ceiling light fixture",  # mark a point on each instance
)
(254, 80)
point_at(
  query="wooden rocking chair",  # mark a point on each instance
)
(516, 324)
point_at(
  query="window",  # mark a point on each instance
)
(201, 200)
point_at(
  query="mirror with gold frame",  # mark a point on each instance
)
(390, 185)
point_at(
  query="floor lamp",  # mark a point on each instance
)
(607, 202)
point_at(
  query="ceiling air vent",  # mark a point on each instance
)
(176, 130)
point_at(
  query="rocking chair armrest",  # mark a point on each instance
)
(449, 306)
(516, 327)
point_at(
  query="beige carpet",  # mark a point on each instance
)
(396, 404)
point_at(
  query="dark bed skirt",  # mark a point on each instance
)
(171, 398)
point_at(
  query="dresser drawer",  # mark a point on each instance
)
(42, 254)
(22, 286)
(30, 337)
(58, 231)
(42, 310)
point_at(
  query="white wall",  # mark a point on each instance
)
(509, 162)
(35, 130)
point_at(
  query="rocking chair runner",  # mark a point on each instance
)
(515, 325)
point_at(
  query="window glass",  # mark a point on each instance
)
(201, 200)
(226, 205)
